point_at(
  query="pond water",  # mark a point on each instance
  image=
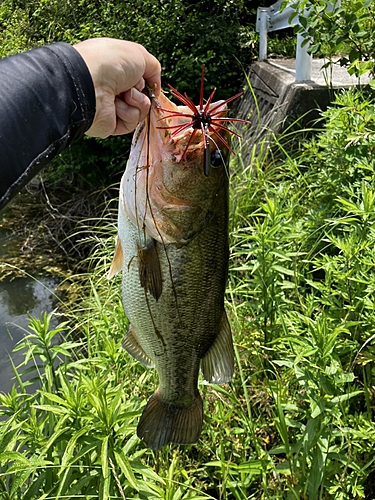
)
(19, 298)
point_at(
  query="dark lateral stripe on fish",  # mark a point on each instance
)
(172, 226)
(162, 423)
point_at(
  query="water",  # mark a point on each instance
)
(18, 299)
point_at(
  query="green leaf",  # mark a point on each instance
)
(56, 399)
(126, 468)
(70, 449)
(53, 409)
(282, 270)
(147, 472)
(36, 487)
(11, 456)
(345, 397)
(106, 479)
(316, 474)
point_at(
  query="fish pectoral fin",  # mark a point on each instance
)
(218, 363)
(118, 260)
(133, 347)
(162, 422)
(149, 269)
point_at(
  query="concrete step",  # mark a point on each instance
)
(274, 100)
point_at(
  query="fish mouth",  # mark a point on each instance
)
(175, 124)
(165, 192)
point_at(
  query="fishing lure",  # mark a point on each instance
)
(204, 119)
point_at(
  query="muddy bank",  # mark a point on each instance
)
(49, 232)
(44, 241)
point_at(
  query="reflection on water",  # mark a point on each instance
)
(18, 299)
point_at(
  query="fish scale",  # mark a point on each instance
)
(172, 249)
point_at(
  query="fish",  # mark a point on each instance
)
(172, 249)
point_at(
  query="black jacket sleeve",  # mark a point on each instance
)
(47, 100)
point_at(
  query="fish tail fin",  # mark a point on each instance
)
(162, 423)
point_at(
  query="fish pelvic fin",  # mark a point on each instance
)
(218, 363)
(132, 345)
(162, 423)
(118, 260)
(149, 269)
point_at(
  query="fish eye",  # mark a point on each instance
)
(216, 158)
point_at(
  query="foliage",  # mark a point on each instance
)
(78, 428)
(348, 29)
(297, 420)
(303, 264)
(182, 35)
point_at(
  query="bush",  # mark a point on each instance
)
(218, 33)
(183, 36)
(347, 31)
(297, 420)
(303, 278)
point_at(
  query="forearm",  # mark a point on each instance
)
(47, 100)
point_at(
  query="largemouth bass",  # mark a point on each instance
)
(172, 249)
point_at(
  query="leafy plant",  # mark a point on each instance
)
(304, 242)
(297, 420)
(346, 29)
(183, 36)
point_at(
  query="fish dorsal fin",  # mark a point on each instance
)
(149, 269)
(118, 260)
(218, 363)
(133, 347)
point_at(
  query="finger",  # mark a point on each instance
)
(152, 73)
(137, 99)
(140, 85)
(121, 128)
(127, 117)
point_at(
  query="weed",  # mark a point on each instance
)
(297, 420)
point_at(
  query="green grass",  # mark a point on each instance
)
(297, 420)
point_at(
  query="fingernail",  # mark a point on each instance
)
(136, 95)
(140, 85)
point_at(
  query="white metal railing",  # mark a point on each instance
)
(272, 19)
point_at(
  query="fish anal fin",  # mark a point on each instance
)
(218, 363)
(133, 347)
(149, 269)
(162, 423)
(118, 260)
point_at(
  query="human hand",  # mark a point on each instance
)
(119, 68)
